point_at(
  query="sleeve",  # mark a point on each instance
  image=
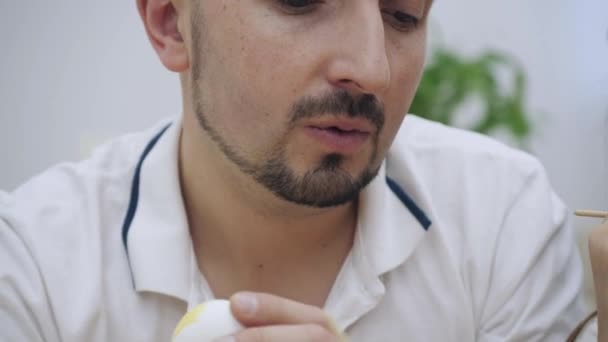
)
(534, 293)
(25, 314)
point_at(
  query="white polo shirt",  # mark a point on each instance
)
(459, 238)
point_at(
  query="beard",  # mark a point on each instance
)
(325, 184)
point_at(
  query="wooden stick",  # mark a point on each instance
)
(592, 213)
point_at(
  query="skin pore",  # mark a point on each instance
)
(265, 199)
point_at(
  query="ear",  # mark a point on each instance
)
(160, 18)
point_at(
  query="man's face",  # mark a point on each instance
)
(305, 96)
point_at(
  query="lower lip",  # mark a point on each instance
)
(340, 142)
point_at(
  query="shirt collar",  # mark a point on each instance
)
(390, 226)
(157, 238)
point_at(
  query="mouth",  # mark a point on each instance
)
(344, 125)
(343, 135)
(338, 130)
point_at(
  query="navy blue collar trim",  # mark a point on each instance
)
(397, 190)
(409, 203)
(135, 188)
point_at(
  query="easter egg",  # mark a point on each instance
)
(206, 322)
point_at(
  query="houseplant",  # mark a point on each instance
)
(493, 80)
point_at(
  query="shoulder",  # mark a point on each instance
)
(472, 187)
(60, 239)
(432, 143)
(487, 200)
(445, 162)
(70, 205)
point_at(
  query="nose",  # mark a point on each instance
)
(360, 62)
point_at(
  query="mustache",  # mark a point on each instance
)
(340, 102)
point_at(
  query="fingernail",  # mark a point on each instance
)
(246, 303)
(334, 327)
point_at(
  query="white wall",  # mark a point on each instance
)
(76, 72)
(72, 74)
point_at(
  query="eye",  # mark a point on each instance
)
(401, 21)
(298, 6)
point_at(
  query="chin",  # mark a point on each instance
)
(327, 187)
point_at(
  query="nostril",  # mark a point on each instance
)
(349, 85)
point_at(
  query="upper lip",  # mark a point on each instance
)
(346, 124)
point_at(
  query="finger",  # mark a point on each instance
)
(598, 252)
(255, 309)
(281, 333)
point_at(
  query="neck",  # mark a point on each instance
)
(238, 225)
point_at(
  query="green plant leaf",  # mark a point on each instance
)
(449, 80)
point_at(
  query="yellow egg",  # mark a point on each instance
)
(206, 322)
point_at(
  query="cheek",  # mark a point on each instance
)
(407, 66)
(264, 77)
(391, 127)
(242, 96)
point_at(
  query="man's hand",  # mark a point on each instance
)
(270, 318)
(598, 252)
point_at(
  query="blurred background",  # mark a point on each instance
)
(75, 73)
